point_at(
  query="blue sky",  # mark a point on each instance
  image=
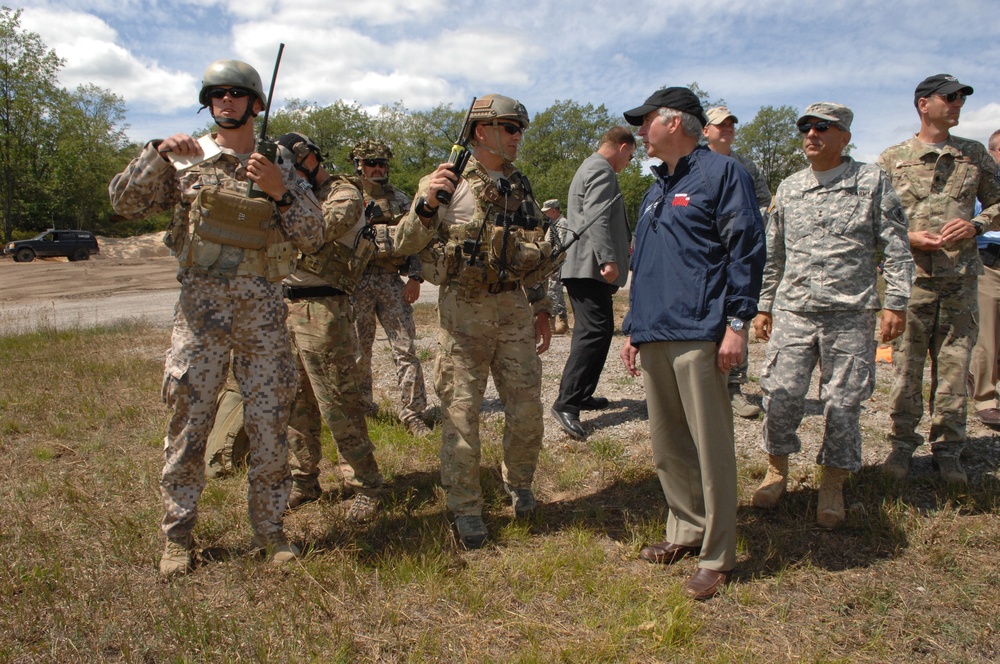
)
(868, 55)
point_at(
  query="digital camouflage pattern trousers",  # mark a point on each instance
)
(483, 333)
(322, 331)
(843, 344)
(380, 294)
(213, 318)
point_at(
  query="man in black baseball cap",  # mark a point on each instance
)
(940, 84)
(679, 99)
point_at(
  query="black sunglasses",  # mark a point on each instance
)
(952, 96)
(235, 93)
(512, 128)
(372, 163)
(819, 125)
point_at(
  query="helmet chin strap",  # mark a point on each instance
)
(494, 151)
(229, 123)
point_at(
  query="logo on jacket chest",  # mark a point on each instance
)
(681, 200)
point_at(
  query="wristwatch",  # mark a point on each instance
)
(736, 324)
(423, 209)
(286, 200)
(980, 227)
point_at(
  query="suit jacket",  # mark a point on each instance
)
(608, 239)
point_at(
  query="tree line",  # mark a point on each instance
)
(59, 149)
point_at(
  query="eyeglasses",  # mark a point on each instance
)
(235, 93)
(372, 163)
(951, 97)
(819, 125)
(512, 128)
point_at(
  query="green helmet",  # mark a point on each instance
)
(230, 73)
(301, 146)
(491, 108)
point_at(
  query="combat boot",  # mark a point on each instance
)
(523, 500)
(951, 469)
(897, 464)
(363, 509)
(830, 506)
(417, 428)
(303, 493)
(177, 557)
(561, 325)
(275, 547)
(741, 406)
(774, 484)
(472, 531)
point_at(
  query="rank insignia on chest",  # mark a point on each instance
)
(681, 199)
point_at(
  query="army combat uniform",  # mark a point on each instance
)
(321, 323)
(233, 254)
(486, 324)
(380, 294)
(825, 236)
(935, 186)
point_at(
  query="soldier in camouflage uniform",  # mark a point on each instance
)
(382, 293)
(492, 307)
(560, 316)
(233, 253)
(321, 323)
(829, 226)
(938, 178)
(719, 134)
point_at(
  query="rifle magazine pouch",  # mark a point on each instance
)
(233, 219)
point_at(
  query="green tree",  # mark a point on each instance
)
(773, 142)
(29, 99)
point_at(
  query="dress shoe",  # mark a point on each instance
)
(989, 416)
(705, 584)
(570, 423)
(665, 553)
(600, 403)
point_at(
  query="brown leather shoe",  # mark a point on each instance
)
(705, 584)
(665, 553)
(989, 416)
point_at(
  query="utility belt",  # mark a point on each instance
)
(339, 265)
(231, 235)
(309, 292)
(990, 254)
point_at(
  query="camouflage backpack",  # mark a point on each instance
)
(228, 444)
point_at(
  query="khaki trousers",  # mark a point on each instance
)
(691, 431)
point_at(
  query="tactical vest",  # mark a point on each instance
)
(224, 233)
(388, 212)
(505, 238)
(338, 264)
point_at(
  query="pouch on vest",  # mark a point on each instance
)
(228, 444)
(233, 219)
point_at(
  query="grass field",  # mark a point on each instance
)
(912, 577)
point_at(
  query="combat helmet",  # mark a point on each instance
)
(301, 146)
(371, 148)
(490, 109)
(231, 73)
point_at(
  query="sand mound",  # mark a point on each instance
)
(126, 248)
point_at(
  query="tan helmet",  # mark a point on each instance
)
(490, 108)
(371, 148)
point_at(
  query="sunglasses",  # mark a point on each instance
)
(512, 128)
(235, 93)
(952, 96)
(372, 163)
(819, 125)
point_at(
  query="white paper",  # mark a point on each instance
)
(209, 148)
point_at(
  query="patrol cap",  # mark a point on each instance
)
(551, 204)
(717, 115)
(827, 110)
(679, 99)
(941, 84)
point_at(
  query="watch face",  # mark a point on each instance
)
(736, 324)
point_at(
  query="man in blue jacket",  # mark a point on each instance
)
(696, 276)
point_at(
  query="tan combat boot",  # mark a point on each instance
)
(560, 325)
(177, 557)
(774, 484)
(275, 547)
(830, 507)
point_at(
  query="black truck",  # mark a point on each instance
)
(74, 245)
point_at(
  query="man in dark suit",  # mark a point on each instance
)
(596, 267)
